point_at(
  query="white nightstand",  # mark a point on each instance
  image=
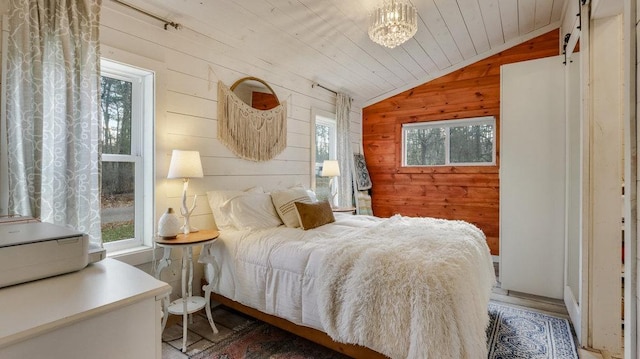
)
(192, 303)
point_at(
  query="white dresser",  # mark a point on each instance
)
(107, 310)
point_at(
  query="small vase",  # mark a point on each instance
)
(168, 225)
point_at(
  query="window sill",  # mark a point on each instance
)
(490, 168)
(137, 255)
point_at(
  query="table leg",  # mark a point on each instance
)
(162, 264)
(207, 294)
(165, 310)
(190, 281)
(185, 256)
(190, 249)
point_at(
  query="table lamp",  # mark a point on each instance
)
(330, 168)
(186, 165)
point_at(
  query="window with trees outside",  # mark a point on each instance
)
(466, 142)
(127, 108)
(325, 149)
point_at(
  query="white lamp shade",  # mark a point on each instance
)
(330, 168)
(185, 164)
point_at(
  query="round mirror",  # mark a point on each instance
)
(255, 93)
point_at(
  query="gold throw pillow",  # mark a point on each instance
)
(312, 215)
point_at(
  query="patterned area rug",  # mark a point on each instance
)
(239, 337)
(520, 333)
(513, 333)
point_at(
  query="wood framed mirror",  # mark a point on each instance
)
(255, 93)
(252, 122)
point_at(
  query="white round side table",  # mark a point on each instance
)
(188, 304)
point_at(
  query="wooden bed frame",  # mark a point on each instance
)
(319, 337)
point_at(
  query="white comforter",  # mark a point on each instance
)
(306, 277)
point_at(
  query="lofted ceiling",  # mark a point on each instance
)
(326, 41)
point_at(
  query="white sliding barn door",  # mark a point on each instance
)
(532, 177)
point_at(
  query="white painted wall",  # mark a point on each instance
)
(632, 307)
(606, 8)
(573, 183)
(193, 64)
(606, 170)
(630, 99)
(188, 66)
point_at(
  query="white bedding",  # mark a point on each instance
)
(278, 270)
(274, 270)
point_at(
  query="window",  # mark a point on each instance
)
(127, 155)
(325, 149)
(467, 142)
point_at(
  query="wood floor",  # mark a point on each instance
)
(552, 306)
(548, 305)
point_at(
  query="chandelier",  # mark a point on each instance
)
(393, 23)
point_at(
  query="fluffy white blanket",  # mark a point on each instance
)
(410, 288)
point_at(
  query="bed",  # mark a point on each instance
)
(403, 287)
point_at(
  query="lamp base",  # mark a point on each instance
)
(190, 230)
(187, 228)
(186, 212)
(333, 201)
(333, 192)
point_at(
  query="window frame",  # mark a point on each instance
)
(447, 125)
(329, 119)
(142, 149)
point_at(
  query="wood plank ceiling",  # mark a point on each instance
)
(327, 42)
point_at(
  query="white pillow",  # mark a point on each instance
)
(217, 199)
(284, 203)
(312, 195)
(252, 211)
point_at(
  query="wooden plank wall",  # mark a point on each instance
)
(263, 101)
(469, 193)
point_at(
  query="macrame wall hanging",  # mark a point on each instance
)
(250, 133)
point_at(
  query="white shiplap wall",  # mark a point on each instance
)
(190, 66)
(328, 39)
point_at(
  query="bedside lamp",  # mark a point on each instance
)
(330, 168)
(186, 165)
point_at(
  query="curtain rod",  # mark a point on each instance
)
(328, 89)
(167, 23)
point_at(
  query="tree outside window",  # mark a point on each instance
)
(127, 155)
(454, 142)
(325, 138)
(118, 178)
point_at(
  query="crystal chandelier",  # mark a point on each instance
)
(393, 23)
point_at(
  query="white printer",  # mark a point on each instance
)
(34, 250)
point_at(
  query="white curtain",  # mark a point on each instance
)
(345, 153)
(53, 79)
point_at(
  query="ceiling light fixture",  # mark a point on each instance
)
(393, 23)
